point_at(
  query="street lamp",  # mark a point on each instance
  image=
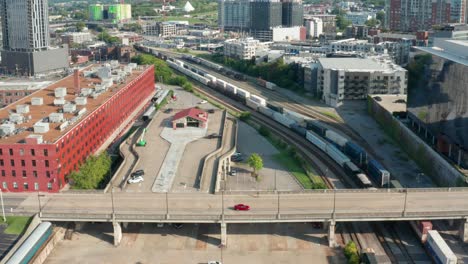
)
(39, 202)
(3, 206)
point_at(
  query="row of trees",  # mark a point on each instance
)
(92, 174)
(283, 75)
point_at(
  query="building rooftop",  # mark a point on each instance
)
(454, 50)
(355, 64)
(194, 113)
(42, 103)
(22, 85)
(392, 102)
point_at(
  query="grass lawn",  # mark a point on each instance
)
(295, 168)
(16, 224)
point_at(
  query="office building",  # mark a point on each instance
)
(340, 79)
(357, 31)
(114, 13)
(48, 134)
(243, 49)
(328, 24)
(314, 27)
(161, 29)
(437, 103)
(234, 15)
(25, 29)
(76, 38)
(458, 11)
(292, 13)
(265, 14)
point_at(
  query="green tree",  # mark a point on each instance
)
(372, 22)
(341, 22)
(80, 26)
(244, 116)
(92, 173)
(380, 16)
(256, 163)
(74, 58)
(351, 253)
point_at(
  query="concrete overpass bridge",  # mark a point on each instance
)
(329, 206)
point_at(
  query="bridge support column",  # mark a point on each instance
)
(79, 226)
(331, 234)
(464, 230)
(223, 234)
(117, 233)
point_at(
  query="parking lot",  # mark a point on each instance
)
(250, 141)
(189, 157)
(198, 243)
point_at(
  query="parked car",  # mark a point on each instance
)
(136, 179)
(214, 262)
(203, 102)
(214, 135)
(177, 225)
(241, 207)
(233, 172)
(168, 111)
(211, 111)
(138, 173)
(237, 159)
(236, 154)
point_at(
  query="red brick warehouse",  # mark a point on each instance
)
(48, 134)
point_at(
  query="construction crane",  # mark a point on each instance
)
(142, 142)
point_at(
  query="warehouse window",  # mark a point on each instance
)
(1, 162)
(23, 163)
(36, 186)
(24, 174)
(49, 186)
(5, 185)
(46, 152)
(11, 152)
(33, 152)
(12, 162)
(3, 173)
(34, 163)
(48, 174)
(47, 163)
(35, 174)
(21, 152)
(15, 185)
(26, 186)
(1, 151)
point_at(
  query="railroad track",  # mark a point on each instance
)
(283, 132)
(398, 252)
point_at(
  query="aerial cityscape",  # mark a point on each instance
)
(233, 131)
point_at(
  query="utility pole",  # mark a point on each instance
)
(112, 200)
(167, 205)
(3, 205)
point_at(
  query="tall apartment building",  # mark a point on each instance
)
(49, 133)
(258, 17)
(416, 15)
(292, 13)
(25, 29)
(340, 79)
(161, 29)
(458, 10)
(314, 27)
(114, 12)
(328, 24)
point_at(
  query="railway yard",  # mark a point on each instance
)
(390, 242)
(344, 148)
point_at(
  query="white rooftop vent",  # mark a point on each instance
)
(7, 129)
(133, 65)
(64, 126)
(16, 118)
(81, 112)
(37, 139)
(86, 91)
(59, 101)
(56, 117)
(37, 101)
(22, 109)
(60, 92)
(81, 100)
(41, 127)
(69, 108)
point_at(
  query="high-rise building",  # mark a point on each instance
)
(114, 13)
(265, 14)
(293, 11)
(25, 28)
(458, 11)
(416, 15)
(258, 17)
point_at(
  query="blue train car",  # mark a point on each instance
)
(32, 244)
(315, 126)
(377, 172)
(299, 129)
(357, 154)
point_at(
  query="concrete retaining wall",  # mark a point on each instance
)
(441, 171)
(57, 236)
(203, 177)
(227, 155)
